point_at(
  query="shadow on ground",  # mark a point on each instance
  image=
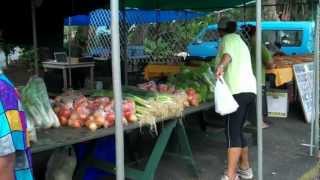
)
(283, 156)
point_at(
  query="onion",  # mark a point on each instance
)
(69, 105)
(65, 113)
(99, 120)
(63, 120)
(186, 103)
(76, 124)
(132, 118)
(126, 107)
(83, 116)
(110, 117)
(191, 92)
(93, 126)
(127, 114)
(70, 122)
(107, 108)
(91, 118)
(106, 124)
(74, 116)
(124, 121)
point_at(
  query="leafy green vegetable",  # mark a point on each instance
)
(201, 79)
(37, 105)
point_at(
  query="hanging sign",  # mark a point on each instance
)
(304, 75)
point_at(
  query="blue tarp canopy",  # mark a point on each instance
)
(101, 17)
(78, 20)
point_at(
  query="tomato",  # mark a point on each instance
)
(65, 113)
(191, 92)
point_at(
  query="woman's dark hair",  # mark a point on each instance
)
(231, 27)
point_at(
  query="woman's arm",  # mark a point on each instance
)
(267, 59)
(225, 60)
(7, 167)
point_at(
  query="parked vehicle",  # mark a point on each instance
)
(294, 38)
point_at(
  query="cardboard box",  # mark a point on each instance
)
(277, 102)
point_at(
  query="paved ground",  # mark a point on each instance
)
(284, 157)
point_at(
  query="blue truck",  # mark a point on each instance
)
(293, 38)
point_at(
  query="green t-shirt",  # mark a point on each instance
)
(266, 58)
(238, 74)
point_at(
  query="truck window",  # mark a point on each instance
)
(286, 38)
(210, 35)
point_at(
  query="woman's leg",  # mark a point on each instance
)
(234, 136)
(244, 158)
(233, 159)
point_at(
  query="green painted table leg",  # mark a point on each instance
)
(154, 159)
(185, 147)
(158, 151)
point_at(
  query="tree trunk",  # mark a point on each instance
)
(270, 10)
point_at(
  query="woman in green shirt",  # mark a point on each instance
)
(234, 64)
(249, 34)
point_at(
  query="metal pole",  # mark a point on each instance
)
(316, 78)
(69, 36)
(35, 40)
(116, 79)
(312, 134)
(259, 90)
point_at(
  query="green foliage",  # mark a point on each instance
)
(165, 39)
(28, 55)
(159, 49)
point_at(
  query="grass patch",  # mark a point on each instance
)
(312, 174)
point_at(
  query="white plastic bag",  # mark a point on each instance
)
(62, 164)
(223, 99)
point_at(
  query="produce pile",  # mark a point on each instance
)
(144, 104)
(76, 110)
(158, 107)
(198, 84)
(201, 79)
(193, 98)
(152, 106)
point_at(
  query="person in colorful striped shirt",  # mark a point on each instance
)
(15, 154)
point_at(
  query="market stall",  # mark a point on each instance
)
(118, 97)
(116, 59)
(146, 105)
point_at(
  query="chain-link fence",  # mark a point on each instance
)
(144, 39)
(159, 37)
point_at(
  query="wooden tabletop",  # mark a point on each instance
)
(64, 65)
(58, 137)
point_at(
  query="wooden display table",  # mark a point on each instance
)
(53, 138)
(283, 70)
(68, 67)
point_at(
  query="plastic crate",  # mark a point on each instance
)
(104, 150)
